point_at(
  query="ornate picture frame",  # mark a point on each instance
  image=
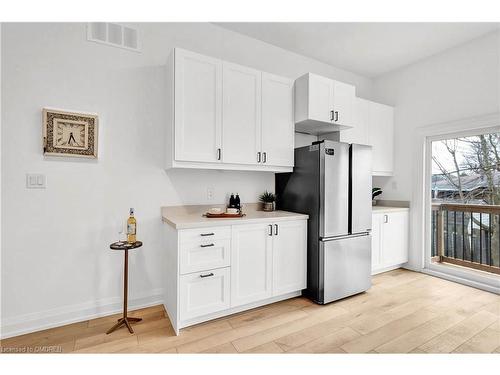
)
(70, 133)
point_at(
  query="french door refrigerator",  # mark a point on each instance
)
(332, 182)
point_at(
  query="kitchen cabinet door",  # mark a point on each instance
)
(203, 293)
(381, 130)
(359, 132)
(394, 242)
(289, 256)
(277, 121)
(343, 103)
(320, 98)
(251, 263)
(241, 114)
(376, 241)
(198, 107)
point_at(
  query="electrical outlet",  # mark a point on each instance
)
(210, 193)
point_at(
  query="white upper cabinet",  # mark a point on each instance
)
(227, 116)
(374, 126)
(277, 121)
(359, 133)
(344, 96)
(382, 138)
(241, 114)
(323, 105)
(198, 107)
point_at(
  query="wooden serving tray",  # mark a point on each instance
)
(222, 215)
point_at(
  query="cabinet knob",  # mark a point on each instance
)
(336, 116)
(209, 245)
(270, 229)
(264, 157)
(276, 229)
(206, 234)
(331, 115)
(258, 157)
(386, 219)
(218, 153)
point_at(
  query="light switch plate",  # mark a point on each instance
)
(36, 181)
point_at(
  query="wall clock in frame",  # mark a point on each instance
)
(69, 134)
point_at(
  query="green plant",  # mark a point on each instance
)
(267, 197)
(376, 191)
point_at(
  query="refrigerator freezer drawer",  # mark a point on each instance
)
(347, 267)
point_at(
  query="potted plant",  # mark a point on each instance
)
(267, 199)
(376, 191)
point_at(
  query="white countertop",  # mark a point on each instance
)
(382, 209)
(185, 217)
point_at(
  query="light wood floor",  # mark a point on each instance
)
(404, 312)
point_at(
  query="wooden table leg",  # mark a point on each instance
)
(125, 320)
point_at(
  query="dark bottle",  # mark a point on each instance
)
(232, 201)
(237, 202)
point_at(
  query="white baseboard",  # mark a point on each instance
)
(234, 310)
(38, 321)
(388, 268)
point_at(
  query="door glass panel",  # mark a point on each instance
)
(465, 192)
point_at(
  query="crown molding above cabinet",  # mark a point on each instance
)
(227, 116)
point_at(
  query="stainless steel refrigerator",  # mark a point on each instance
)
(332, 182)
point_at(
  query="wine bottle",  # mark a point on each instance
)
(237, 202)
(131, 227)
(232, 201)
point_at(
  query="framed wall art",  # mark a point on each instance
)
(69, 133)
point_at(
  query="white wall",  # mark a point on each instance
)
(56, 265)
(456, 84)
(459, 83)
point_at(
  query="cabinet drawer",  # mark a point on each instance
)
(204, 235)
(209, 254)
(203, 293)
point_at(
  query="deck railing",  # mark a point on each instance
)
(467, 235)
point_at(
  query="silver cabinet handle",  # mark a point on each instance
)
(270, 229)
(207, 275)
(218, 153)
(206, 234)
(386, 219)
(276, 229)
(258, 157)
(209, 245)
(336, 116)
(264, 157)
(331, 115)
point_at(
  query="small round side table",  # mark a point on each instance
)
(125, 320)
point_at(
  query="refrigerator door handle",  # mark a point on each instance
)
(336, 238)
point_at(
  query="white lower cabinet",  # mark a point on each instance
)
(204, 292)
(222, 270)
(251, 263)
(389, 240)
(289, 257)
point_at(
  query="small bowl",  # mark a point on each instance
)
(232, 211)
(215, 210)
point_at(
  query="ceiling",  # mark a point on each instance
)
(369, 49)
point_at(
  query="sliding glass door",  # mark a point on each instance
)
(464, 217)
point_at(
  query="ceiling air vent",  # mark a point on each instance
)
(113, 34)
